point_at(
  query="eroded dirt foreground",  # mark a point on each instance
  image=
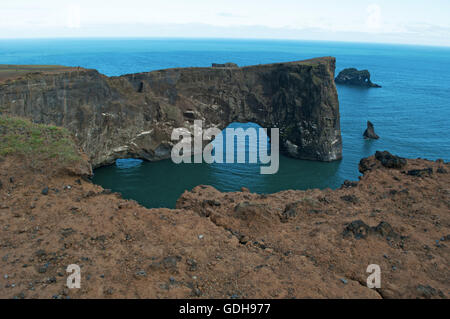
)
(293, 244)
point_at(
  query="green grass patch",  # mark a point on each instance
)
(36, 142)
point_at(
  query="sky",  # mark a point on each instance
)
(386, 21)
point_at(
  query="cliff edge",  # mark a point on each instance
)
(134, 115)
(292, 244)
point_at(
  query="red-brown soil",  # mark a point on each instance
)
(222, 245)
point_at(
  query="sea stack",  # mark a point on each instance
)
(370, 132)
(356, 78)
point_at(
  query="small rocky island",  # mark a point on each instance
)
(369, 133)
(356, 78)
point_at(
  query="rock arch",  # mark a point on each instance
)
(134, 115)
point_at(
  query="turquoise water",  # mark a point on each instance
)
(411, 113)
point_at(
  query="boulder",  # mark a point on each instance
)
(390, 161)
(381, 159)
(420, 172)
(361, 230)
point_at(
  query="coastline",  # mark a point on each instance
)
(292, 244)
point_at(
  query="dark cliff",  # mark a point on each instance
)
(133, 115)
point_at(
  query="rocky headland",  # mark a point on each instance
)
(292, 244)
(134, 115)
(354, 77)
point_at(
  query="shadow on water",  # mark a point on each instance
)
(160, 184)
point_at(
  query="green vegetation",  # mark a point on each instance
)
(38, 143)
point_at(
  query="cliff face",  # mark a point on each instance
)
(133, 115)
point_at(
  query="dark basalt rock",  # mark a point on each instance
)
(420, 172)
(361, 230)
(354, 77)
(428, 292)
(350, 199)
(370, 132)
(384, 230)
(287, 215)
(189, 114)
(358, 228)
(390, 161)
(45, 191)
(290, 211)
(385, 158)
(349, 184)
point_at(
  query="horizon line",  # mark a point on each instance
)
(221, 38)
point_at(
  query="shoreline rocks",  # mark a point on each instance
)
(382, 159)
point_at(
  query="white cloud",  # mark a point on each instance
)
(226, 14)
(374, 18)
(73, 16)
(350, 20)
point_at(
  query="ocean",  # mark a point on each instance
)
(411, 113)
